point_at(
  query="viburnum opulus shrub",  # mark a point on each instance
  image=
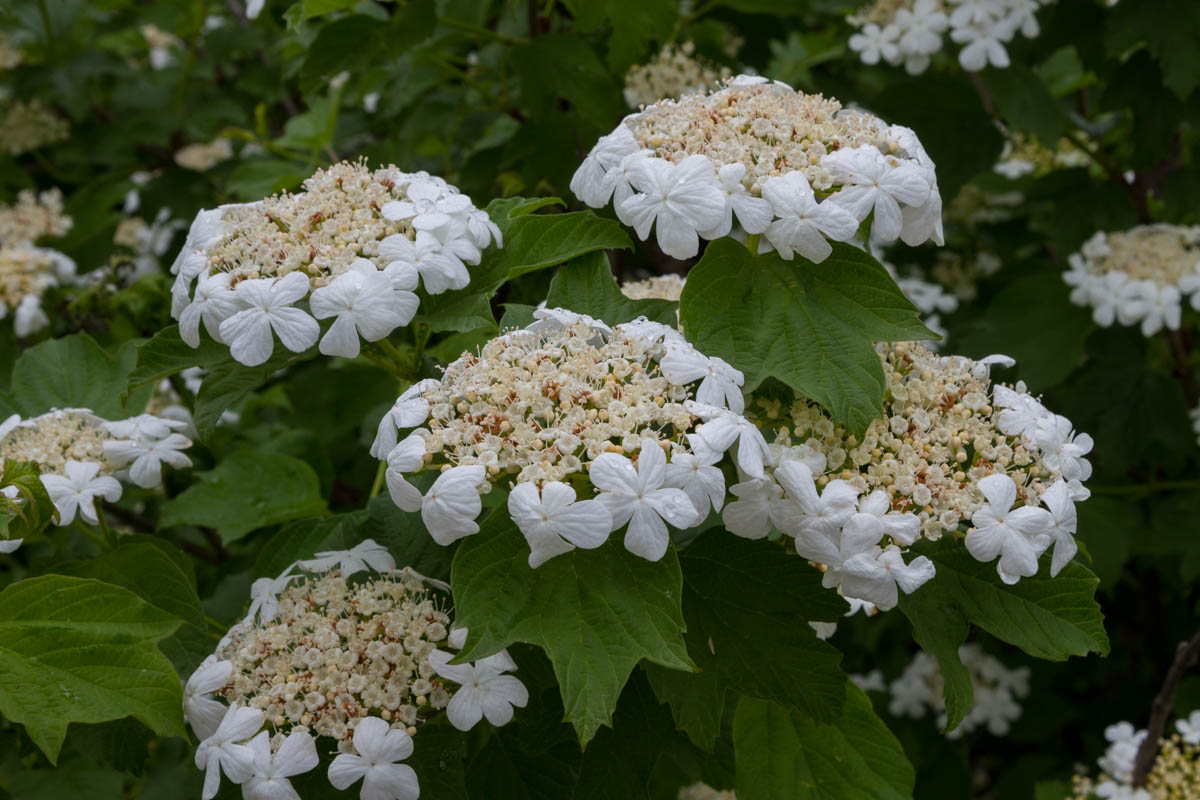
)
(623, 399)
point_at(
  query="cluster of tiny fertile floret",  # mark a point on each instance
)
(997, 692)
(1138, 277)
(766, 127)
(539, 405)
(337, 652)
(55, 438)
(660, 287)
(29, 125)
(673, 72)
(1026, 155)
(203, 156)
(909, 32)
(318, 231)
(1175, 774)
(938, 436)
(26, 270)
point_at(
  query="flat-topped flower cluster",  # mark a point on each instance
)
(674, 71)
(1174, 776)
(569, 404)
(796, 169)
(357, 661)
(355, 243)
(82, 458)
(998, 691)
(1138, 277)
(951, 449)
(27, 270)
(909, 32)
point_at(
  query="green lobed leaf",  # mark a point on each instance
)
(784, 755)
(813, 326)
(79, 650)
(586, 286)
(1024, 102)
(75, 372)
(1050, 618)
(748, 602)
(596, 613)
(1172, 32)
(247, 490)
(941, 630)
(159, 573)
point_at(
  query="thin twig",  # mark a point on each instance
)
(1185, 657)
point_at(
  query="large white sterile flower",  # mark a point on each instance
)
(213, 303)
(698, 476)
(367, 554)
(1017, 535)
(753, 213)
(756, 509)
(722, 429)
(875, 183)
(222, 752)
(984, 45)
(377, 749)
(365, 304)
(591, 183)
(268, 307)
(484, 689)
(554, 522)
(902, 528)
(640, 497)
(720, 383)
(1020, 413)
(876, 577)
(873, 43)
(145, 457)
(439, 268)
(410, 410)
(815, 520)
(1063, 524)
(297, 754)
(1062, 449)
(204, 713)
(404, 458)
(29, 318)
(264, 596)
(681, 198)
(1189, 727)
(77, 490)
(451, 505)
(803, 224)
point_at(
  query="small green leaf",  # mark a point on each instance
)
(75, 372)
(813, 326)
(940, 630)
(587, 286)
(596, 613)
(78, 650)
(1049, 618)
(784, 755)
(247, 490)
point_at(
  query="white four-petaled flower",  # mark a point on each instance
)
(872, 182)
(720, 383)
(404, 458)
(378, 747)
(451, 505)
(367, 554)
(484, 689)
(696, 475)
(554, 522)
(77, 490)
(364, 303)
(803, 224)
(145, 456)
(297, 754)
(410, 410)
(267, 307)
(204, 713)
(222, 752)
(681, 198)
(1017, 535)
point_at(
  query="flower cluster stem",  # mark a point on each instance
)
(1186, 655)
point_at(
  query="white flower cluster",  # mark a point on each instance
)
(1139, 276)
(357, 662)
(951, 447)
(355, 243)
(909, 32)
(997, 691)
(659, 287)
(148, 241)
(564, 405)
(26, 270)
(796, 169)
(81, 456)
(1174, 776)
(29, 125)
(203, 156)
(673, 72)
(1026, 155)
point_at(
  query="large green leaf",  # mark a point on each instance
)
(1050, 618)
(79, 650)
(596, 613)
(75, 372)
(248, 490)
(784, 755)
(813, 326)
(159, 573)
(748, 603)
(587, 286)
(1172, 32)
